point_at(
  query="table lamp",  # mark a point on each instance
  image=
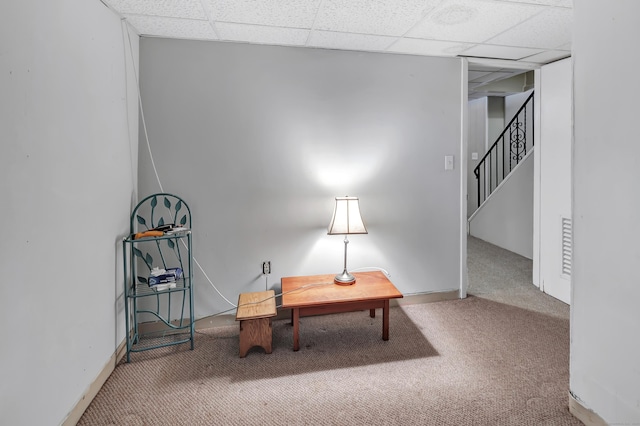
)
(346, 220)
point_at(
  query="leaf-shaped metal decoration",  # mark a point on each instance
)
(149, 260)
(138, 253)
(178, 206)
(167, 203)
(141, 220)
(161, 221)
(142, 280)
(154, 203)
(171, 244)
(183, 221)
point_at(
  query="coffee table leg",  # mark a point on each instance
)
(295, 318)
(385, 320)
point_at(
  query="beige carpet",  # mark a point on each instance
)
(477, 361)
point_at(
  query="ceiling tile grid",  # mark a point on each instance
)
(549, 29)
(278, 13)
(500, 52)
(191, 9)
(171, 27)
(496, 27)
(349, 41)
(548, 56)
(391, 18)
(472, 20)
(519, 33)
(262, 34)
(416, 46)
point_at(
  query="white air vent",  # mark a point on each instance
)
(567, 250)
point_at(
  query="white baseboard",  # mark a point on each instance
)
(417, 298)
(586, 416)
(93, 389)
(217, 321)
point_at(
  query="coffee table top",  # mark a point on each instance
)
(320, 289)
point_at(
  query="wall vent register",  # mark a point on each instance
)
(567, 249)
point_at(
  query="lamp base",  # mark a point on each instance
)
(344, 278)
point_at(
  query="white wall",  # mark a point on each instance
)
(506, 219)
(260, 139)
(605, 319)
(512, 104)
(477, 142)
(68, 173)
(491, 115)
(496, 118)
(553, 175)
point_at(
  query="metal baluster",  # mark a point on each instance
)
(502, 137)
(476, 172)
(533, 140)
(525, 130)
(497, 167)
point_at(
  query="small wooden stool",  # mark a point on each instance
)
(254, 313)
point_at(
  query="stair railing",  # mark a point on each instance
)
(506, 152)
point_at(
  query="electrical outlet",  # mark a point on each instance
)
(266, 267)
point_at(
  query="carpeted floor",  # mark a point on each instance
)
(499, 357)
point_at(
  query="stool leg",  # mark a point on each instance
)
(255, 332)
(267, 339)
(245, 344)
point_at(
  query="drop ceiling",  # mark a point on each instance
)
(502, 38)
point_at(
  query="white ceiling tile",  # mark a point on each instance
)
(560, 3)
(189, 9)
(493, 76)
(416, 46)
(349, 41)
(547, 56)
(496, 35)
(261, 34)
(500, 52)
(565, 3)
(547, 30)
(473, 75)
(482, 67)
(170, 27)
(471, 20)
(387, 17)
(540, 2)
(280, 13)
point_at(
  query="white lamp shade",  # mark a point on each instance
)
(346, 217)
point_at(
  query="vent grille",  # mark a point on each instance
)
(567, 249)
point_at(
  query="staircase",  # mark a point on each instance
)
(504, 177)
(509, 149)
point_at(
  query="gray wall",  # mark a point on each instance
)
(506, 219)
(496, 118)
(512, 104)
(605, 318)
(68, 174)
(476, 143)
(260, 139)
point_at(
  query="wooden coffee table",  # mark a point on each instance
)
(317, 294)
